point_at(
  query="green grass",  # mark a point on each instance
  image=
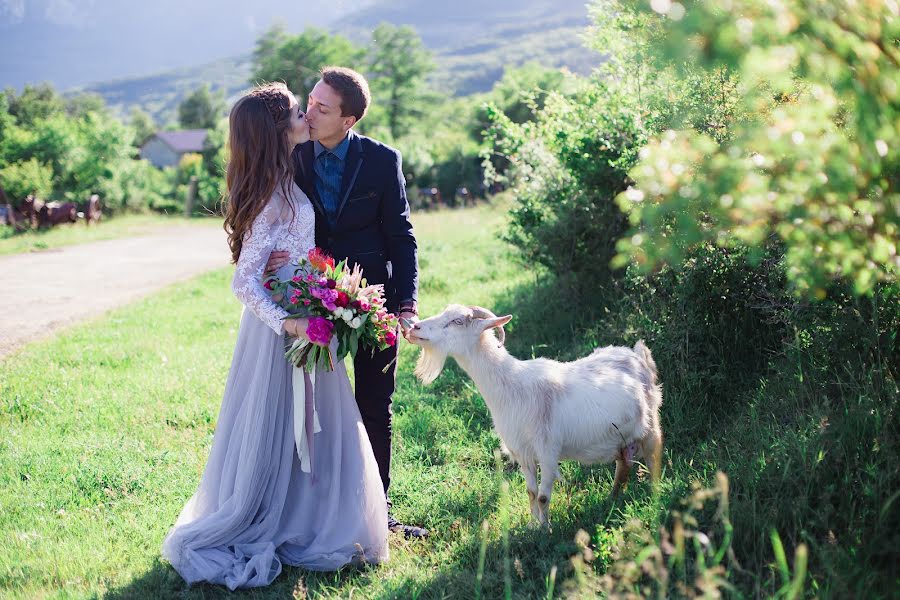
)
(79, 233)
(106, 430)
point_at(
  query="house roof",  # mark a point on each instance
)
(185, 140)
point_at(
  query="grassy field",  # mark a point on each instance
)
(79, 233)
(106, 430)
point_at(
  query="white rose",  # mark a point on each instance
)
(348, 315)
(355, 323)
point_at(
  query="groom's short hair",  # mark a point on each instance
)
(352, 87)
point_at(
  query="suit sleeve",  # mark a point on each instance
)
(399, 237)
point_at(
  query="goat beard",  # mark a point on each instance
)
(430, 364)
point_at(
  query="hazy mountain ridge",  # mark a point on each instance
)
(472, 49)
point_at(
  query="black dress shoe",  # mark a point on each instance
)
(408, 531)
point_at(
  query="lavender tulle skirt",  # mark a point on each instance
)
(255, 509)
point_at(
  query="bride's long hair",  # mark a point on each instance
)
(260, 158)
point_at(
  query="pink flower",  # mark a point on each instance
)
(328, 297)
(295, 296)
(296, 279)
(310, 278)
(319, 330)
(390, 338)
(307, 302)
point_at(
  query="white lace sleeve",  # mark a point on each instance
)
(247, 284)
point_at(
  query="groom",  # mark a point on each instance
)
(357, 188)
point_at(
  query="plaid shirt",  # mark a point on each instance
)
(329, 168)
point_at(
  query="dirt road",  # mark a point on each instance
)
(41, 292)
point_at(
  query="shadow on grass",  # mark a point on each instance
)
(162, 582)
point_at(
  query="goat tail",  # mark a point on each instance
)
(646, 357)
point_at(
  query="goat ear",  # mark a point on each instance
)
(495, 322)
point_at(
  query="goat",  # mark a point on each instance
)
(598, 409)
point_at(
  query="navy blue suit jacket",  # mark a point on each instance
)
(372, 226)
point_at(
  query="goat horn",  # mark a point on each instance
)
(482, 313)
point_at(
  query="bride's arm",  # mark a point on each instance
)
(247, 284)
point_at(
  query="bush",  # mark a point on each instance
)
(566, 168)
(27, 177)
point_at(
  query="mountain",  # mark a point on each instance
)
(77, 42)
(473, 41)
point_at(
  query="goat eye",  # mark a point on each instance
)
(457, 321)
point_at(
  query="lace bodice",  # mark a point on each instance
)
(275, 228)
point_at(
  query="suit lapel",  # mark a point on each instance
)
(307, 175)
(352, 165)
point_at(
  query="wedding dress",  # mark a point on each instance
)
(255, 508)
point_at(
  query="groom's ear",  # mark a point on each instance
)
(349, 122)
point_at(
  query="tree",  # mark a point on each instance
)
(81, 104)
(296, 60)
(813, 161)
(142, 124)
(201, 109)
(398, 65)
(34, 103)
(26, 177)
(268, 43)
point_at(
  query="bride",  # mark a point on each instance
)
(256, 508)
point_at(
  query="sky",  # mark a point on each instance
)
(76, 42)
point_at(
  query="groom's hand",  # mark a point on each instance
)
(277, 259)
(407, 318)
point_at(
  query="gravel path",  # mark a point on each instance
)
(89, 279)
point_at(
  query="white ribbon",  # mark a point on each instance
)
(300, 437)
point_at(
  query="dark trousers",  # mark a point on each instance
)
(373, 396)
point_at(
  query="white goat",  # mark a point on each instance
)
(600, 408)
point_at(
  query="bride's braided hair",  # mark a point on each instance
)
(275, 96)
(260, 158)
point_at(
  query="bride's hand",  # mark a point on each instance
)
(297, 327)
(277, 259)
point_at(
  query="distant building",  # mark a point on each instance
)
(165, 148)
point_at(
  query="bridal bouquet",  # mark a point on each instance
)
(338, 303)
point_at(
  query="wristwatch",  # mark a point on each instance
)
(409, 306)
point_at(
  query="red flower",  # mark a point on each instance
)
(390, 338)
(319, 259)
(342, 300)
(331, 284)
(268, 284)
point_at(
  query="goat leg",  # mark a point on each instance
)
(529, 470)
(549, 475)
(623, 469)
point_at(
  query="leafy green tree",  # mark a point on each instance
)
(142, 124)
(80, 105)
(201, 109)
(813, 161)
(523, 91)
(296, 60)
(34, 103)
(398, 64)
(268, 43)
(27, 177)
